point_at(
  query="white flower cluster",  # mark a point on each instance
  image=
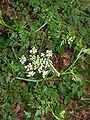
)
(23, 59)
(70, 39)
(37, 62)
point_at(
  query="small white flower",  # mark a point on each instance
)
(44, 73)
(47, 63)
(25, 67)
(29, 67)
(44, 61)
(42, 54)
(34, 50)
(49, 53)
(31, 73)
(41, 60)
(36, 63)
(45, 66)
(42, 66)
(38, 57)
(23, 59)
(35, 67)
(39, 70)
(32, 57)
(30, 51)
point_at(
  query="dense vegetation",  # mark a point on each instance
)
(55, 33)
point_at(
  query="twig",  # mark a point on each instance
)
(43, 25)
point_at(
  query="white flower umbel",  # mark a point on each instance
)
(23, 59)
(39, 64)
(34, 50)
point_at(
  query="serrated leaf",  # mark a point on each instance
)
(28, 114)
(38, 112)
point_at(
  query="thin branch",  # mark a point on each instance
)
(43, 25)
(40, 27)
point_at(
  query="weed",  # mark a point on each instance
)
(40, 31)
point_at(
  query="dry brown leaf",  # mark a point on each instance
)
(88, 76)
(2, 29)
(20, 115)
(83, 90)
(56, 82)
(66, 58)
(56, 62)
(84, 113)
(29, 104)
(18, 107)
(18, 112)
(7, 9)
(24, 20)
(77, 119)
(43, 118)
(83, 64)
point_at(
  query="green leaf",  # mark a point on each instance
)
(58, 109)
(66, 99)
(28, 114)
(38, 112)
(87, 51)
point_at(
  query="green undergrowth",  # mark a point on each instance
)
(57, 25)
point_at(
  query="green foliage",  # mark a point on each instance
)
(48, 24)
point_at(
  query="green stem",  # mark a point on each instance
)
(7, 26)
(28, 80)
(3, 105)
(33, 37)
(32, 80)
(65, 73)
(12, 28)
(54, 115)
(14, 53)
